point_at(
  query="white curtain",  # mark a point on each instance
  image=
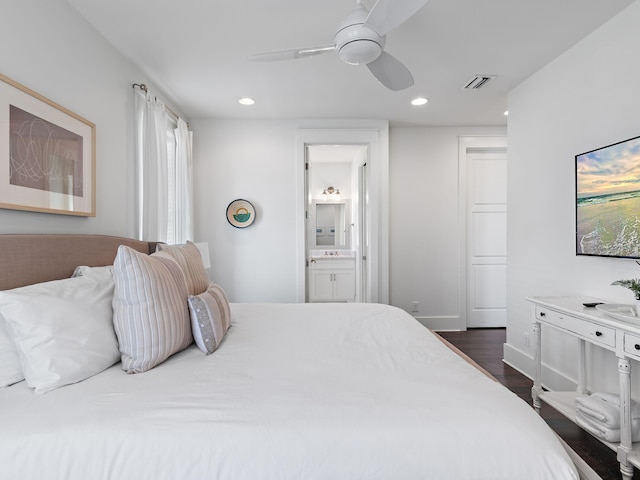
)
(164, 178)
(184, 184)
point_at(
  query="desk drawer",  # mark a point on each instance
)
(632, 345)
(592, 332)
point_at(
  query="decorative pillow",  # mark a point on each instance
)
(62, 330)
(10, 369)
(188, 257)
(223, 303)
(150, 313)
(207, 320)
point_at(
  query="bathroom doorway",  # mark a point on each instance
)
(372, 246)
(336, 227)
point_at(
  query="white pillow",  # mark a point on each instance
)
(85, 271)
(150, 313)
(208, 322)
(10, 369)
(62, 330)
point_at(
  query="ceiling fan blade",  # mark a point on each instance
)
(391, 72)
(388, 14)
(292, 53)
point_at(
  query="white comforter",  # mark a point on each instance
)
(296, 391)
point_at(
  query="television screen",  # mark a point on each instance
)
(608, 200)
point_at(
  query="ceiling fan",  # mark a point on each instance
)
(361, 38)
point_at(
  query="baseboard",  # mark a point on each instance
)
(552, 379)
(451, 323)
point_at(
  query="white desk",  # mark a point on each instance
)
(569, 315)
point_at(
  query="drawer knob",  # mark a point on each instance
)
(542, 314)
(598, 334)
(636, 346)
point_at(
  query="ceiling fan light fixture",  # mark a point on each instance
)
(359, 52)
(361, 38)
(355, 43)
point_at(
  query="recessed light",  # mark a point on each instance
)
(506, 113)
(419, 101)
(246, 101)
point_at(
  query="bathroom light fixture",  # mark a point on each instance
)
(331, 191)
(419, 101)
(246, 101)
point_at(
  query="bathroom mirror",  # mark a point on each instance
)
(330, 224)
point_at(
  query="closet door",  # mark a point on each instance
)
(486, 238)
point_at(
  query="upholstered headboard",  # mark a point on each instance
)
(33, 258)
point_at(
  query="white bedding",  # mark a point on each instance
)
(295, 391)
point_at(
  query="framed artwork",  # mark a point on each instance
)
(47, 155)
(608, 200)
(240, 213)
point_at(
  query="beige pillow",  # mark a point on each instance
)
(188, 257)
(223, 302)
(150, 313)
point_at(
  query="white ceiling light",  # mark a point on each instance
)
(506, 113)
(419, 101)
(246, 101)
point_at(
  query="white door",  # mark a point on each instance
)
(320, 285)
(362, 250)
(486, 238)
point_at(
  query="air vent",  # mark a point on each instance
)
(477, 82)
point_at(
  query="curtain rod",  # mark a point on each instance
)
(145, 89)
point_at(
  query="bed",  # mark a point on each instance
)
(292, 391)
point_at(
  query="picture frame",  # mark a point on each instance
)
(47, 154)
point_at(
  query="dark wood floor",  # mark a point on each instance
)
(485, 346)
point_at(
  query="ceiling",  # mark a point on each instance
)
(197, 52)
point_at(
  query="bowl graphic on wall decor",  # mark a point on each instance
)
(240, 213)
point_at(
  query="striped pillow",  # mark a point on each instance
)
(150, 313)
(188, 257)
(208, 319)
(223, 303)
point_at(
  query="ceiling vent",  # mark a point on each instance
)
(477, 82)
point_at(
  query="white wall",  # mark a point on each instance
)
(585, 99)
(46, 46)
(424, 221)
(258, 161)
(253, 160)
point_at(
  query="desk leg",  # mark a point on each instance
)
(582, 369)
(624, 374)
(537, 367)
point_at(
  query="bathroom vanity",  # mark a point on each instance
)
(332, 277)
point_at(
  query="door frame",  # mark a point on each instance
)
(376, 138)
(468, 143)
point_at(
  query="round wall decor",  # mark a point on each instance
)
(240, 213)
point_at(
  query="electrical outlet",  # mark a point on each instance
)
(415, 306)
(527, 341)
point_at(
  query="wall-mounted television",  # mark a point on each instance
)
(608, 200)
